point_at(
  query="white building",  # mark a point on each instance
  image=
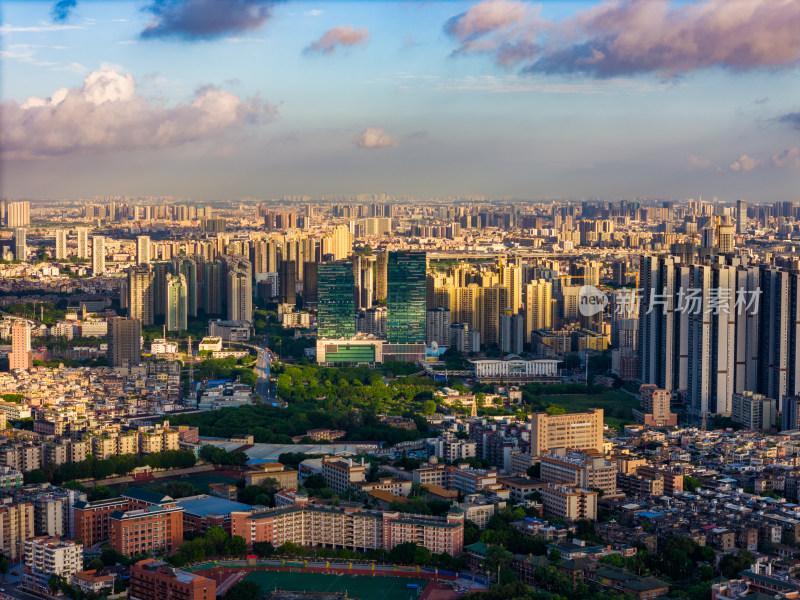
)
(162, 346)
(515, 369)
(46, 556)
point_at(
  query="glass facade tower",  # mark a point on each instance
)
(405, 297)
(335, 306)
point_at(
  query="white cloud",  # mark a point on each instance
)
(699, 163)
(73, 67)
(745, 163)
(105, 114)
(788, 159)
(375, 137)
(6, 28)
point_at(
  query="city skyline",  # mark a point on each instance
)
(500, 98)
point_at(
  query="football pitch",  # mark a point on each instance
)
(363, 587)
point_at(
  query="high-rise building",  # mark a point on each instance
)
(512, 332)
(188, 268)
(98, 255)
(288, 281)
(711, 339)
(239, 288)
(83, 243)
(175, 318)
(438, 326)
(21, 356)
(335, 305)
(790, 413)
(779, 333)
(405, 299)
(538, 307)
(741, 216)
(142, 250)
(381, 282)
(310, 283)
(20, 243)
(214, 290)
(18, 214)
(61, 244)
(726, 238)
(124, 341)
(141, 297)
(160, 272)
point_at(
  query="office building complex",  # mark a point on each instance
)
(335, 301)
(405, 299)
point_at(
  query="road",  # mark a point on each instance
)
(262, 372)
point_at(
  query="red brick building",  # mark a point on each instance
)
(144, 529)
(154, 580)
(91, 519)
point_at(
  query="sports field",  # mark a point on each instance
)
(363, 587)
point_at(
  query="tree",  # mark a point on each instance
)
(732, 564)
(690, 484)
(429, 407)
(5, 566)
(57, 583)
(612, 559)
(74, 484)
(97, 564)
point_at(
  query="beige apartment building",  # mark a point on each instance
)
(586, 469)
(358, 529)
(574, 431)
(286, 478)
(16, 526)
(341, 474)
(567, 502)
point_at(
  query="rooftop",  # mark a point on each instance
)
(205, 505)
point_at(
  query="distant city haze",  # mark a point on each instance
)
(499, 98)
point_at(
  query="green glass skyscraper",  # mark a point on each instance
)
(405, 297)
(335, 306)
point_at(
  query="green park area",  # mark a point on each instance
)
(357, 586)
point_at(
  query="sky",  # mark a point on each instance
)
(224, 99)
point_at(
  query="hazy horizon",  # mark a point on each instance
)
(226, 99)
